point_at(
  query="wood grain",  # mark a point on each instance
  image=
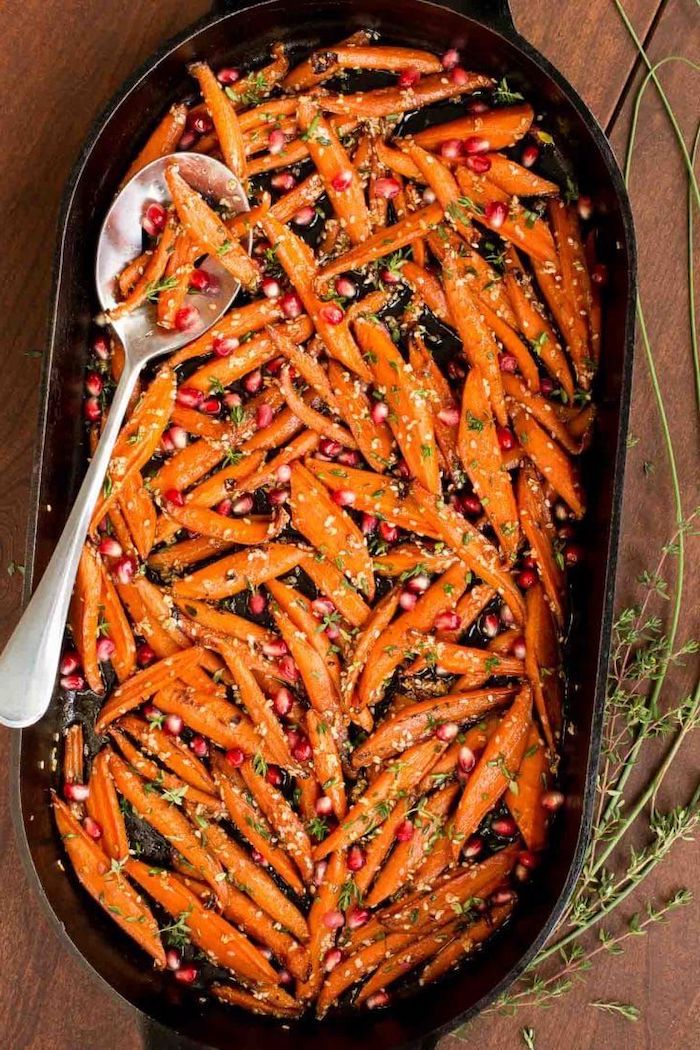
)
(61, 60)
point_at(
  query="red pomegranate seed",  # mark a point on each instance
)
(329, 448)
(278, 496)
(270, 287)
(527, 578)
(344, 497)
(386, 187)
(199, 747)
(283, 472)
(388, 532)
(357, 917)
(459, 76)
(508, 363)
(390, 276)
(100, 347)
(451, 149)
(189, 397)
(302, 750)
(284, 977)
(275, 648)
(478, 164)
(110, 548)
(186, 974)
(178, 436)
(320, 872)
(305, 216)
(504, 826)
(187, 140)
(450, 59)
(92, 828)
(323, 806)
(235, 757)
(528, 859)
(409, 77)
(333, 920)
(473, 847)
(528, 562)
(223, 346)
(428, 196)
(418, 584)
(154, 219)
(547, 386)
(331, 959)
(377, 1000)
(447, 732)
(258, 857)
(276, 141)
(408, 601)
(345, 287)
(599, 274)
(504, 896)
(257, 604)
(291, 305)
(173, 725)
(173, 959)
(449, 416)
(476, 144)
(552, 800)
(342, 180)
(104, 649)
(466, 760)
(507, 615)
(228, 75)
(585, 207)
(573, 553)
(506, 438)
(92, 409)
(287, 669)
(477, 106)
(273, 776)
(94, 384)
(356, 858)
(144, 655)
(283, 702)
(243, 505)
(70, 662)
(404, 832)
(471, 505)
(124, 569)
(76, 792)
(331, 313)
(529, 156)
(322, 607)
(283, 180)
(369, 524)
(201, 123)
(263, 416)
(186, 318)
(490, 625)
(173, 496)
(253, 382)
(224, 508)
(496, 213)
(447, 621)
(518, 648)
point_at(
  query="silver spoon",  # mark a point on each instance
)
(30, 659)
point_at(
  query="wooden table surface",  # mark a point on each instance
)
(61, 60)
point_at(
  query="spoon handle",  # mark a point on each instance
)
(29, 661)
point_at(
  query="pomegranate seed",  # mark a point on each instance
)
(154, 219)
(357, 917)
(585, 207)
(186, 318)
(547, 386)
(173, 959)
(478, 106)
(76, 792)
(331, 313)
(273, 776)
(283, 472)
(275, 648)
(408, 601)
(201, 123)
(447, 732)
(100, 347)
(459, 76)
(390, 276)
(528, 859)
(528, 562)
(320, 872)
(186, 974)
(224, 508)
(527, 578)
(263, 416)
(518, 648)
(369, 524)
(451, 149)
(188, 397)
(228, 75)
(243, 505)
(305, 216)
(508, 363)
(573, 553)
(507, 615)
(356, 858)
(345, 288)
(506, 439)
(388, 532)
(283, 180)
(291, 305)
(377, 1000)
(404, 832)
(235, 757)
(92, 828)
(199, 746)
(278, 496)
(386, 187)
(178, 436)
(124, 569)
(287, 669)
(223, 346)
(283, 702)
(447, 621)
(478, 164)
(104, 649)
(504, 896)
(110, 548)
(504, 826)
(257, 603)
(94, 384)
(176, 498)
(552, 800)
(258, 857)
(418, 584)
(322, 607)
(144, 655)
(344, 497)
(253, 382)
(529, 156)
(342, 180)
(471, 505)
(285, 978)
(599, 274)
(428, 196)
(173, 725)
(449, 416)
(476, 144)
(455, 370)
(450, 59)
(187, 140)
(331, 959)
(403, 468)
(409, 77)
(277, 140)
(496, 213)
(70, 662)
(490, 625)
(333, 920)
(466, 760)
(473, 847)
(302, 750)
(330, 448)
(270, 287)
(521, 873)
(92, 409)
(332, 632)
(323, 806)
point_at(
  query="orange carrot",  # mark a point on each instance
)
(502, 127)
(541, 534)
(234, 574)
(103, 806)
(543, 664)
(322, 938)
(281, 817)
(549, 459)
(85, 615)
(385, 242)
(465, 942)
(373, 439)
(386, 101)
(331, 582)
(162, 141)
(143, 685)
(526, 804)
(223, 113)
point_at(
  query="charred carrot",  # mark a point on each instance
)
(385, 242)
(85, 615)
(234, 574)
(501, 127)
(465, 942)
(223, 113)
(549, 459)
(385, 101)
(526, 804)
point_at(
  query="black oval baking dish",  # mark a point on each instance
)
(234, 34)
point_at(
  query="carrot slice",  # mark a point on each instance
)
(541, 534)
(386, 101)
(234, 574)
(321, 937)
(171, 751)
(571, 325)
(358, 967)
(331, 582)
(549, 459)
(109, 888)
(85, 615)
(162, 141)
(152, 273)
(364, 642)
(73, 754)
(532, 782)
(373, 439)
(103, 806)
(139, 513)
(465, 942)
(543, 664)
(223, 113)
(495, 770)
(282, 818)
(178, 274)
(576, 279)
(517, 181)
(297, 608)
(406, 960)
(542, 410)
(249, 90)
(267, 1001)
(385, 242)
(502, 127)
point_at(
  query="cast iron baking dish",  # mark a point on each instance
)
(234, 34)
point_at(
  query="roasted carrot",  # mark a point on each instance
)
(235, 573)
(541, 534)
(103, 806)
(73, 754)
(143, 685)
(162, 141)
(259, 84)
(549, 459)
(151, 275)
(357, 967)
(85, 615)
(542, 663)
(406, 960)
(364, 642)
(385, 242)
(297, 608)
(501, 127)
(474, 665)
(331, 582)
(321, 936)
(386, 101)
(515, 180)
(171, 751)
(526, 804)
(465, 942)
(314, 70)
(282, 817)
(267, 1000)
(373, 439)
(223, 113)
(571, 325)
